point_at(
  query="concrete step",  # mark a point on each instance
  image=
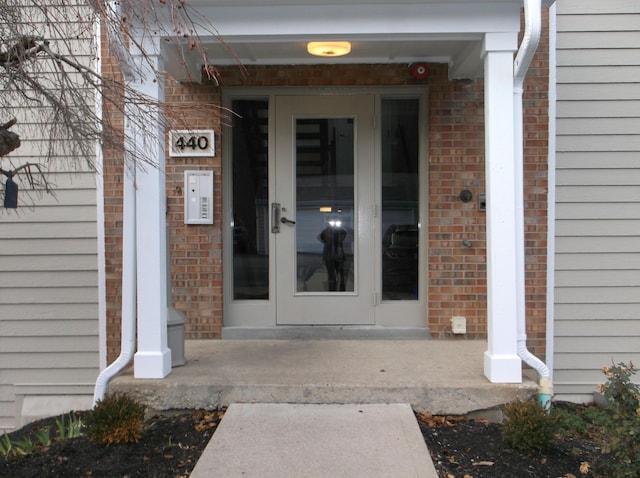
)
(440, 377)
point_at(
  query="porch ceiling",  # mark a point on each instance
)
(276, 32)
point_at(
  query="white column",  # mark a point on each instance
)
(153, 357)
(501, 361)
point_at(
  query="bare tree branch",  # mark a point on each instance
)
(50, 77)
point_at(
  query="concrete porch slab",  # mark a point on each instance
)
(437, 376)
(292, 440)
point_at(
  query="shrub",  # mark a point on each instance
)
(528, 426)
(623, 427)
(115, 419)
(570, 420)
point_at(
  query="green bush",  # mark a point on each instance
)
(115, 419)
(570, 420)
(527, 426)
(622, 429)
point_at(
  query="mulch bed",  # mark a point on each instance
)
(464, 448)
(171, 445)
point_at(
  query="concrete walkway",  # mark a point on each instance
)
(316, 441)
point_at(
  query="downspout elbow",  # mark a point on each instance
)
(530, 40)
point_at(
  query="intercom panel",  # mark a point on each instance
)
(198, 197)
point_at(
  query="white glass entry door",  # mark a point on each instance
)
(323, 214)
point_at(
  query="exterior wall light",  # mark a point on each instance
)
(329, 48)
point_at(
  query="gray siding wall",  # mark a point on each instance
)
(48, 298)
(597, 278)
(49, 346)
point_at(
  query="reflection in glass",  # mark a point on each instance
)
(400, 198)
(324, 205)
(250, 200)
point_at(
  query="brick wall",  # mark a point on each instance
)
(456, 275)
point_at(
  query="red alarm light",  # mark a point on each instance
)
(420, 70)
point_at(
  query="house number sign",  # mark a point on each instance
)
(190, 143)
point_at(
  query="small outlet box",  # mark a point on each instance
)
(459, 325)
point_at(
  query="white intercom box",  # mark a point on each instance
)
(198, 197)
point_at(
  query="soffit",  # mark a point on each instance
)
(276, 32)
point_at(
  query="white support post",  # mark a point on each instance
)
(153, 357)
(501, 361)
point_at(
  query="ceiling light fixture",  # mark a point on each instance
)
(329, 48)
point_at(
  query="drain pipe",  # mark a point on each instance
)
(128, 326)
(528, 47)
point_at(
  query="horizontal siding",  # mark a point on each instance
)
(582, 261)
(596, 40)
(590, 160)
(50, 263)
(583, 311)
(595, 244)
(575, 345)
(597, 58)
(599, 74)
(54, 360)
(51, 374)
(65, 344)
(597, 176)
(72, 278)
(586, 360)
(598, 91)
(21, 327)
(608, 7)
(48, 295)
(609, 143)
(598, 126)
(613, 193)
(66, 213)
(597, 295)
(598, 210)
(597, 23)
(598, 227)
(598, 109)
(51, 230)
(49, 246)
(45, 311)
(597, 276)
(49, 254)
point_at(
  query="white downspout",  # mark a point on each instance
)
(526, 52)
(128, 327)
(129, 252)
(551, 195)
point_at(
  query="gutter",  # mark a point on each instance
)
(526, 52)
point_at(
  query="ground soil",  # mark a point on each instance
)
(464, 448)
(172, 443)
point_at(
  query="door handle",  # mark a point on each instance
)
(275, 217)
(284, 220)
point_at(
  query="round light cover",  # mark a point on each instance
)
(329, 48)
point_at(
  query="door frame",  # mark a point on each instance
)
(260, 315)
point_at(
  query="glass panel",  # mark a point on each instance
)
(324, 205)
(250, 200)
(400, 198)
